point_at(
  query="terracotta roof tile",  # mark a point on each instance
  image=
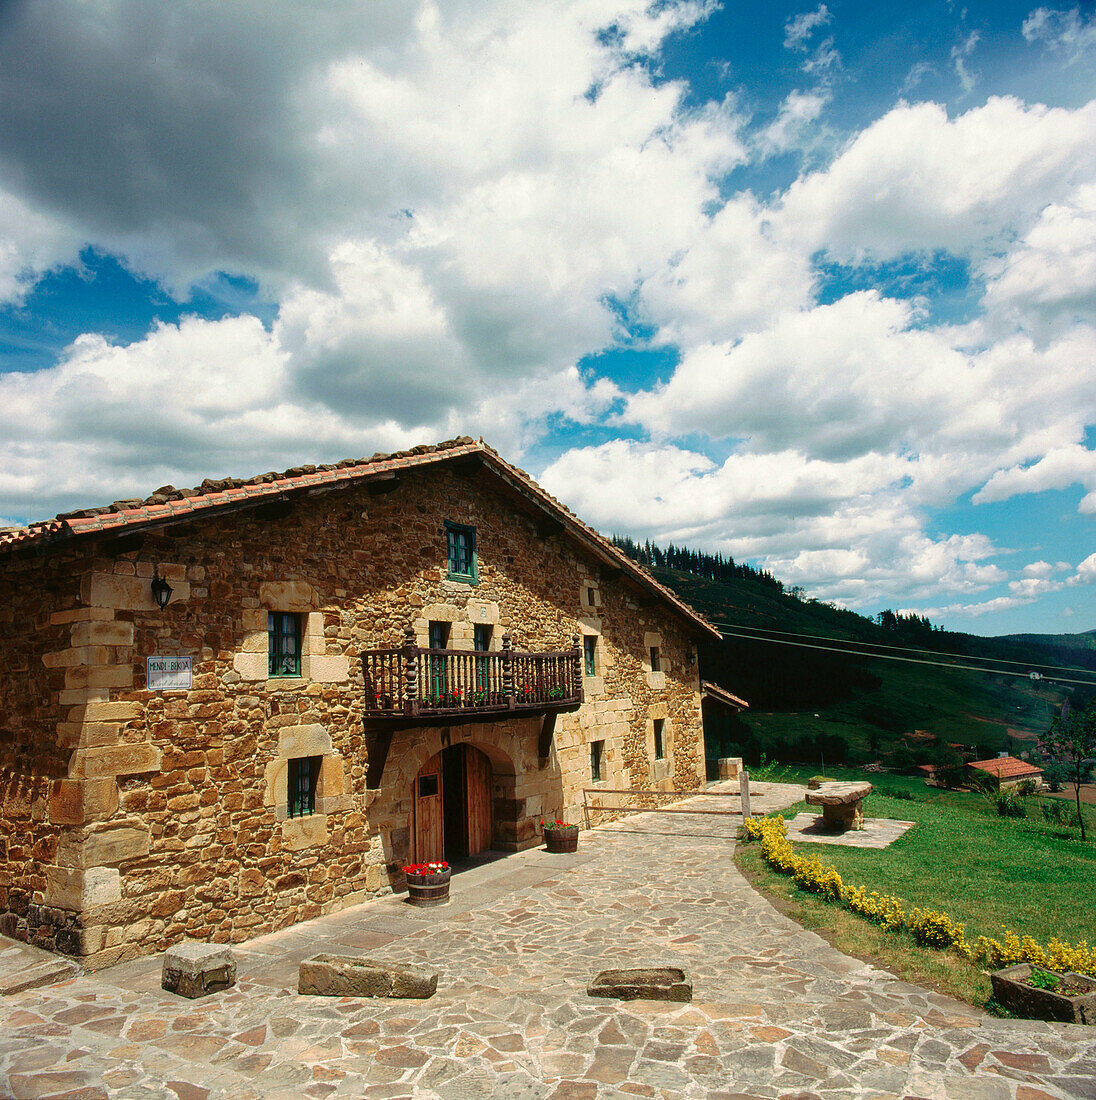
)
(1006, 767)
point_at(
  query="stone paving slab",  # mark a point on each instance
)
(776, 1011)
(878, 832)
(25, 967)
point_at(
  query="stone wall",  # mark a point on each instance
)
(170, 807)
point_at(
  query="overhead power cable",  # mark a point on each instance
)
(906, 648)
(894, 657)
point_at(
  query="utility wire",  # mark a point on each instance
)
(893, 657)
(906, 648)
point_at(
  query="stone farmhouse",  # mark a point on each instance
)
(227, 709)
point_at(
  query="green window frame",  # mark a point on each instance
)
(589, 654)
(284, 636)
(460, 546)
(301, 782)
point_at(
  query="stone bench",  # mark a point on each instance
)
(842, 804)
(198, 969)
(351, 976)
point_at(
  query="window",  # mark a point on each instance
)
(589, 653)
(304, 774)
(284, 633)
(481, 637)
(591, 596)
(461, 547)
(597, 749)
(656, 663)
(439, 679)
(660, 750)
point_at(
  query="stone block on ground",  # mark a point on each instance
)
(197, 969)
(653, 983)
(351, 976)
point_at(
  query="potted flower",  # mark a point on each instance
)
(427, 883)
(559, 836)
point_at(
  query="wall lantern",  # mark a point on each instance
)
(161, 590)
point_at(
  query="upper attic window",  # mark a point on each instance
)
(461, 547)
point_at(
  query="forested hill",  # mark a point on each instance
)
(813, 697)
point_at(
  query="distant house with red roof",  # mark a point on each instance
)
(1004, 771)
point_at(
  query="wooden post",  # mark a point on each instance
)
(744, 791)
(507, 671)
(410, 672)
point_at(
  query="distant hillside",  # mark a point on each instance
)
(810, 703)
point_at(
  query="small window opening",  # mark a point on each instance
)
(589, 654)
(284, 636)
(597, 750)
(660, 750)
(460, 544)
(304, 774)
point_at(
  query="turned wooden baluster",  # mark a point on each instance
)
(410, 672)
(507, 671)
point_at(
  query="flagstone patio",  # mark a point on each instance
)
(776, 1011)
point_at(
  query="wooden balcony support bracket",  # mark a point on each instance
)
(378, 754)
(547, 732)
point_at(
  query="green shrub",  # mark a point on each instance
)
(1060, 813)
(1009, 804)
(1027, 787)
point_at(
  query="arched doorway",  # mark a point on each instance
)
(453, 805)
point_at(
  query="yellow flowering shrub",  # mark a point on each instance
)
(928, 927)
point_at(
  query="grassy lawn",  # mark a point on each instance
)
(960, 857)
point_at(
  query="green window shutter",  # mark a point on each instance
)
(284, 638)
(460, 544)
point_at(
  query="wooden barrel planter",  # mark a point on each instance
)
(425, 890)
(561, 838)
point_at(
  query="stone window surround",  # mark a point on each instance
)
(593, 685)
(664, 768)
(317, 665)
(588, 587)
(462, 622)
(656, 681)
(295, 742)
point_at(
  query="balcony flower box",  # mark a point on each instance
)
(1036, 993)
(560, 837)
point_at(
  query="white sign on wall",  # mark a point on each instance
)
(168, 673)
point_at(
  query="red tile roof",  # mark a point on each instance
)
(170, 505)
(1006, 767)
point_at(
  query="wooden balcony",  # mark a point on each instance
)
(413, 683)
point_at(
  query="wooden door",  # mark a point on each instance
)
(429, 815)
(477, 770)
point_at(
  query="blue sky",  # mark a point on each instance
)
(814, 286)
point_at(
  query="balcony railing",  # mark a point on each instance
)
(413, 682)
